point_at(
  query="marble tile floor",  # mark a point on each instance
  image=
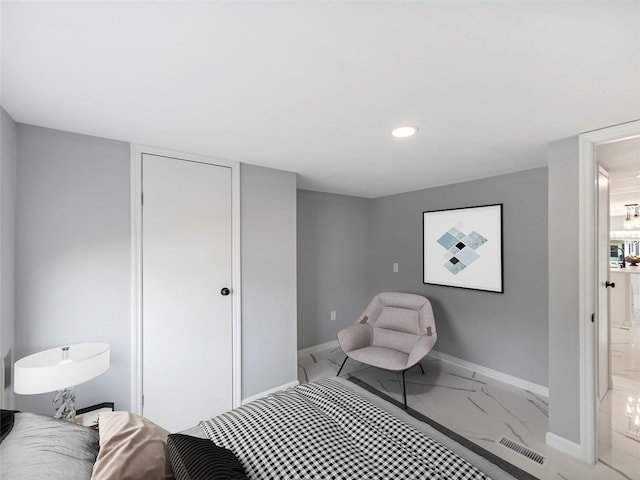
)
(483, 410)
(618, 447)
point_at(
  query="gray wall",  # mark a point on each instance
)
(268, 231)
(334, 244)
(73, 254)
(7, 252)
(505, 332)
(73, 276)
(564, 304)
(347, 247)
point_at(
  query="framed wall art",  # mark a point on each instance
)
(463, 248)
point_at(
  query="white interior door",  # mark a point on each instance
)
(187, 323)
(603, 279)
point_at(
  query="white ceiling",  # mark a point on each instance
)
(315, 87)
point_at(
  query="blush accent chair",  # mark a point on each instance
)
(395, 332)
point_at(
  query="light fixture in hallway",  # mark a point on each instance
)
(632, 222)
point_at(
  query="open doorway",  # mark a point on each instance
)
(619, 371)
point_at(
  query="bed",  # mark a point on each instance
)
(320, 430)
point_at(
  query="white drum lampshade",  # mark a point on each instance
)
(61, 369)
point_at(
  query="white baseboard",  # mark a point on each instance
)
(487, 372)
(621, 383)
(271, 390)
(318, 348)
(565, 446)
(494, 374)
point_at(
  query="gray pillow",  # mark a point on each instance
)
(41, 447)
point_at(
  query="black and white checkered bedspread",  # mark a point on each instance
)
(323, 430)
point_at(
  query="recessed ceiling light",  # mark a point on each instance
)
(404, 132)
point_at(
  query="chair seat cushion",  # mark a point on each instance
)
(381, 357)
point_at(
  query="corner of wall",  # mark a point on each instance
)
(565, 446)
(268, 251)
(8, 176)
(564, 348)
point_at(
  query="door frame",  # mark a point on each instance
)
(600, 257)
(588, 280)
(136, 267)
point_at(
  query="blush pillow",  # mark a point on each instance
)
(131, 447)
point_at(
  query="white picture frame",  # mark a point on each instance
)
(462, 248)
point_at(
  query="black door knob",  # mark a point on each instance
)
(225, 291)
(608, 284)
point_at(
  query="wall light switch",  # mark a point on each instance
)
(333, 314)
(395, 267)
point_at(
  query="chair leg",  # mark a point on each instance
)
(345, 361)
(404, 390)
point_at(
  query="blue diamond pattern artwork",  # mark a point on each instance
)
(461, 248)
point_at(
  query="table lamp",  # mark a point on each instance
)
(61, 369)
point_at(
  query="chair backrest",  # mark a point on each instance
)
(398, 319)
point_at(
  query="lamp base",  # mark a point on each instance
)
(65, 404)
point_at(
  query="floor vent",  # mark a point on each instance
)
(521, 450)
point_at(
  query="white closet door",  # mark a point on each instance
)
(186, 263)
